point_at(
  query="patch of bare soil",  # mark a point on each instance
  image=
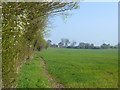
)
(50, 79)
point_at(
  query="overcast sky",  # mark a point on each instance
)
(93, 22)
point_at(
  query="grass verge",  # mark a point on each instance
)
(30, 75)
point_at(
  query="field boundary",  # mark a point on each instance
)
(51, 80)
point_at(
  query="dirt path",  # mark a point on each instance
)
(51, 80)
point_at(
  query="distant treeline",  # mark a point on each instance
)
(65, 43)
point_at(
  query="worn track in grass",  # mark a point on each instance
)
(51, 80)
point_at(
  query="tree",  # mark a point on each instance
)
(49, 43)
(73, 44)
(92, 46)
(60, 44)
(105, 46)
(63, 42)
(66, 42)
(54, 45)
(82, 45)
(20, 25)
(87, 46)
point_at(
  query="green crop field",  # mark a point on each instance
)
(82, 68)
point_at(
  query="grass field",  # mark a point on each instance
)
(79, 68)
